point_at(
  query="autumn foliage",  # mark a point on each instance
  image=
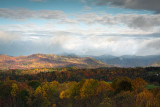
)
(80, 88)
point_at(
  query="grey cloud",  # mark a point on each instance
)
(92, 18)
(143, 21)
(21, 14)
(68, 21)
(50, 14)
(136, 21)
(149, 47)
(151, 5)
(155, 44)
(16, 13)
(24, 14)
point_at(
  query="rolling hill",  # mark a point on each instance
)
(47, 61)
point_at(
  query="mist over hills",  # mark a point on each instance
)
(130, 61)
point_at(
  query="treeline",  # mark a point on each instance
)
(150, 74)
(122, 92)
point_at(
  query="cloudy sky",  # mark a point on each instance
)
(82, 27)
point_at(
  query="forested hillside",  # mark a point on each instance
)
(47, 61)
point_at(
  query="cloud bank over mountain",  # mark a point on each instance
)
(69, 42)
(82, 27)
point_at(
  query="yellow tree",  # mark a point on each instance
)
(146, 99)
(14, 92)
(89, 88)
(139, 84)
(40, 97)
(14, 89)
(103, 87)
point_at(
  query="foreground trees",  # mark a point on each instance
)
(121, 92)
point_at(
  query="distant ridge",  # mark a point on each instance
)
(48, 61)
(130, 60)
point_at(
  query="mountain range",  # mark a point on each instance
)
(56, 61)
(47, 61)
(129, 60)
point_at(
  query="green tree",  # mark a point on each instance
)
(34, 84)
(122, 84)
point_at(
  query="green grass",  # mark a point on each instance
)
(151, 86)
(109, 82)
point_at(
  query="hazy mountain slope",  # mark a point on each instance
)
(129, 61)
(156, 63)
(47, 61)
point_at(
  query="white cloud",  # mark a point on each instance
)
(6, 37)
(99, 45)
(59, 42)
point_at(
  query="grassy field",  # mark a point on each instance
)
(109, 82)
(151, 86)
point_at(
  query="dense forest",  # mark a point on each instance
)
(73, 87)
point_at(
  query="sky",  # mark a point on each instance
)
(80, 27)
